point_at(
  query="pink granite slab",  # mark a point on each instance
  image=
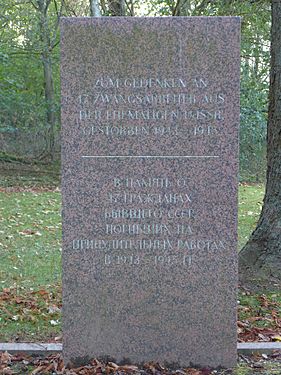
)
(150, 116)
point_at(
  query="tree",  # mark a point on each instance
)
(94, 8)
(33, 26)
(29, 47)
(116, 7)
(260, 259)
(48, 45)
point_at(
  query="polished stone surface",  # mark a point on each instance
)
(150, 115)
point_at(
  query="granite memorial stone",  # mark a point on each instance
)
(150, 115)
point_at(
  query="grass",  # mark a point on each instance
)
(30, 245)
(30, 257)
(258, 367)
(261, 306)
(30, 233)
(30, 314)
(30, 252)
(250, 205)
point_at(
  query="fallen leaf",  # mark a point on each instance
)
(37, 370)
(27, 232)
(53, 309)
(54, 322)
(5, 358)
(7, 371)
(113, 365)
(128, 368)
(276, 338)
(193, 371)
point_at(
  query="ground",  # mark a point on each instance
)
(53, 364)
(30, 294)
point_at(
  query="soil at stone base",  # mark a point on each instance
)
(53, 364)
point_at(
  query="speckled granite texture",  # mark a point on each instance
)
(150, 116)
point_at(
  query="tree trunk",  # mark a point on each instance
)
(257, 57)
(116, 7)
(48, 75)
(50, 101)
(260, 259)
(181, 8)
(94, 8)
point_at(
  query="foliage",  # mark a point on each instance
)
(253, 128)
(22, 103)
(23, 44)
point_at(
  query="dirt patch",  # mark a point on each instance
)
(17, 176)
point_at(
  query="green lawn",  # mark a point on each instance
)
(30, 245)
(30, 234)
(250, 205)
(30, 257)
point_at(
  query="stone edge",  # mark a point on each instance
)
(247, 348)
